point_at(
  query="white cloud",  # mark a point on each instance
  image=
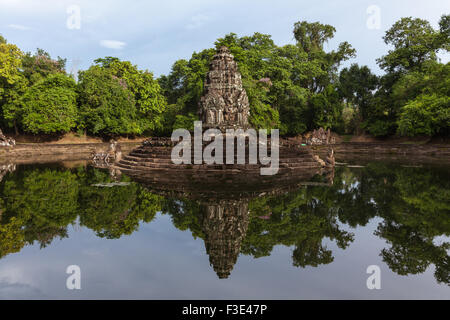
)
(112, 44)
(18, 27)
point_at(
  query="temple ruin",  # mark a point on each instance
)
(224, 104)
(5, 141)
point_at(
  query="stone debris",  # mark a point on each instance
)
(319, 137)
(5, 168)
(224, 104)
(320, 161)
(5, 141)
(109, 156)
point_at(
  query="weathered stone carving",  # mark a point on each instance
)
(104, 158)
(320, 136)
(224, 104)
(5, 141)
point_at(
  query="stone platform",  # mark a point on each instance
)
(151, 164)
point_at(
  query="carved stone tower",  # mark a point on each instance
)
(224, 104)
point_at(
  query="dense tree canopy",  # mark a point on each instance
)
(107, 107)
(150, 103)
(294, 87)
(12, 83)
(40, 65)
(49, 105)
(412, 70)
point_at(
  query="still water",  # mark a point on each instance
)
(312, 242)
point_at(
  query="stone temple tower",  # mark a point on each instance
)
(224, 104)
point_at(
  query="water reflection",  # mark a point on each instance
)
(38, 203)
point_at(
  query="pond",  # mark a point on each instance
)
(315, 241)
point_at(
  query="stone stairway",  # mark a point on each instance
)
(157, 157)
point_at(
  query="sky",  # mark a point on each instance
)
(154, 34)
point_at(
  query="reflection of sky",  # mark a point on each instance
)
(161, 262)
(154, 34)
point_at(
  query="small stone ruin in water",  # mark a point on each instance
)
(224, 105)
(319, 137)
(5, 141)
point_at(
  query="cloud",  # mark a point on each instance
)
(197, 21)
(112, 44)
(18, 27)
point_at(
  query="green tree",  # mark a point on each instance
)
(106, 105)
(414, 42)
(409, 66)
(356, 86)
(49, 106)
(425, 115)
(37, 66)
(12, 84)
(150, 102)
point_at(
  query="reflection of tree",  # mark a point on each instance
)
(299, 219)
(415, 207)
(114, 211)
(38, 204)
(43, 202)
(417, 216)
(222, 224)
(12, 238)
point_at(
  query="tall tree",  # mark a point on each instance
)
(12, 84)
(107, 107)
(150, 102)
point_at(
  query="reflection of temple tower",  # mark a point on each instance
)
(225, 225)
(225, 102)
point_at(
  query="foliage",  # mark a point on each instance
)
(106, 105)
(290, 87)
(40, 65)
(114, 211)
(425, 115)
(150, 103)
(412, 70)
(12, 84)
(49, 106)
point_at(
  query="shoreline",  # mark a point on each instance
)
(344, 151)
